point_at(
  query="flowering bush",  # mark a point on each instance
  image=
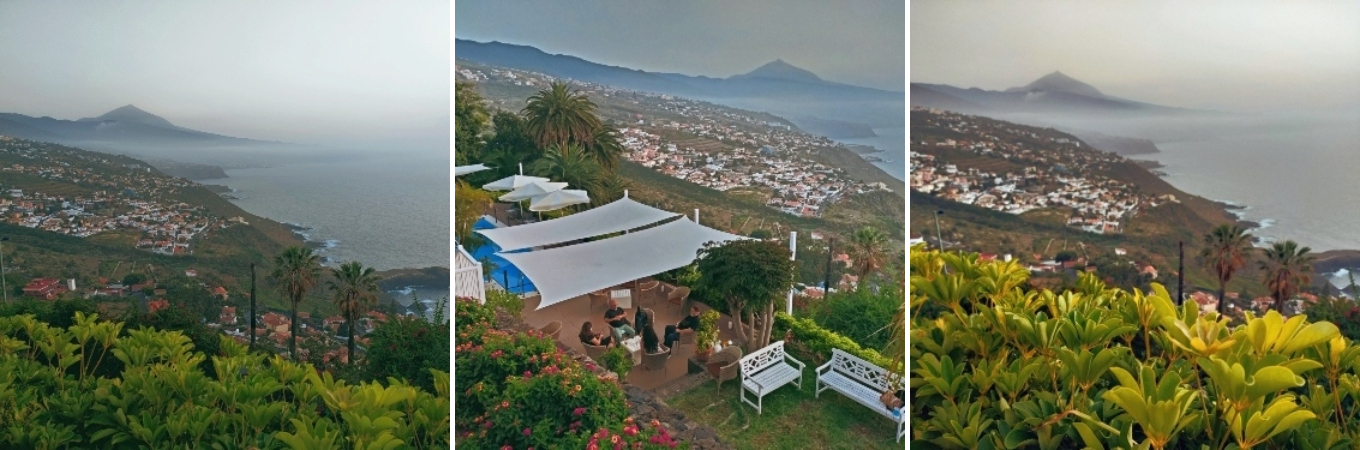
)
(618, 360)
(518, 391)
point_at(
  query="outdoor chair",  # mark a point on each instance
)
(725, 365)
(647, 289)
(686, 338)
(553, 329)
(678, 296)
(601, 297)
(595, 352)
(656, 361)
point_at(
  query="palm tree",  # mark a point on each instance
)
(611, 188)
(558, 115)
(1226, 249)
(295, 271)
(604, 147)
(355, 290)
(568, 163)
(868, 248)
(1287, 269)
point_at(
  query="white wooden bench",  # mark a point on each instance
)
(767, 369)
(861, 381)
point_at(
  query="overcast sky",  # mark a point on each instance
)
(860, 43)
(1231, 55)
(297, 71)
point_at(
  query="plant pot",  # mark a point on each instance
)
(702, 354)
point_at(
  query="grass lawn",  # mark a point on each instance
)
(793, 419)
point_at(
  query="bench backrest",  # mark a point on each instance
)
(861, 370)
(760, 359)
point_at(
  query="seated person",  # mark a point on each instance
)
(894, 401)
(689, 324)
(650, 343)
(618, 318)
(590, 337)
(641, 319)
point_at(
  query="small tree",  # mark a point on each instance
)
(1065, 256)
(749, 276)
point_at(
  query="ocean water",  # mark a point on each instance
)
(892, 145)
(1297, 177)
(387, 212)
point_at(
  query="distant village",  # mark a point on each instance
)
(754, 153)
(1035, 173)
(120, 197)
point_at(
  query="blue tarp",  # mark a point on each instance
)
(500, 270)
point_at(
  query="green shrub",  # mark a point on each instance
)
(407, 347)
(513, 304)
(618, 360)
(50, 383)
(860, 315)
(819, 341)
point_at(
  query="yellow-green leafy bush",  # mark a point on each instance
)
(999, 365)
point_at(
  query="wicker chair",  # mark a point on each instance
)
(656, 361)
(553, 329)
(600, 297)
(647, 288)
(678, 296)
(725, 365)
(595, 352)
(686, 338)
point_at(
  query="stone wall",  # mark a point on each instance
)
(643, 406)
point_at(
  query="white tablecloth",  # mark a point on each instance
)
(634, 345)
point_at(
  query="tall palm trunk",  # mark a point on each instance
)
(349, 336)
(292, 333)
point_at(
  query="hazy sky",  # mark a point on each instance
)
(859, 43)
(1229, 55)
(297, 71)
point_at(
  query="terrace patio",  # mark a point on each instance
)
(572, 313)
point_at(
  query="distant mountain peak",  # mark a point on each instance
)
(133, 114)
(781, 70)
(1059, 82)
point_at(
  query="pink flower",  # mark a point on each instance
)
(578, 411)
(630, 430)
(528, 432)
(487, 424)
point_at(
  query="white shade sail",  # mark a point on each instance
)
(532, 190)
(558, 199)
(620, 215)
(511, 183)
(567, 272)
(464, 170)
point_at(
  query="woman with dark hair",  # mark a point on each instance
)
(588, 336)
(651, 343)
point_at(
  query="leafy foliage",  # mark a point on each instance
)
(53, 394)
(1095, 367)
(518, 390)
(861, 315)
(748, 276)
(406, 348)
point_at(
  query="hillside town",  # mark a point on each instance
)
(715, 147)
(1008, 168)
(87, 194)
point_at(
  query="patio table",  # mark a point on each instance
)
(634, 346)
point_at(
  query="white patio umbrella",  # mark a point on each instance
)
(512, 182)
(558, 199)
(464, 170)
(532, 190)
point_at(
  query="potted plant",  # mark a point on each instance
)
(706, 335)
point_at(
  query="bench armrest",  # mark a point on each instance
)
(801, 366)
(821, 369)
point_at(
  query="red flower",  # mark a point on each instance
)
(528, 432)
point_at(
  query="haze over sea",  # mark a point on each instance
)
(388, 212)
(1296, 176)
